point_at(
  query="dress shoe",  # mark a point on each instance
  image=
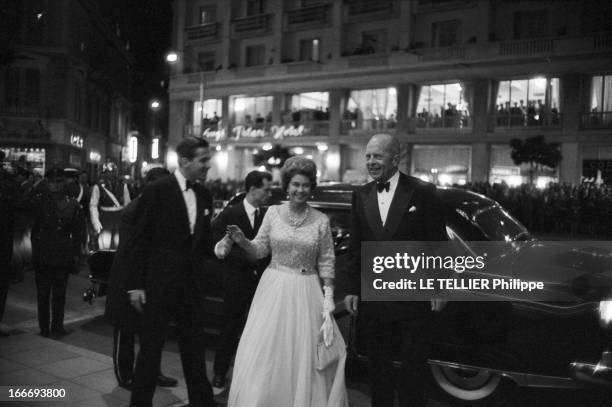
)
(165, 381)
(219, 381)
(60, 330)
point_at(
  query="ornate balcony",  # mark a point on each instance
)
(526, 47)
(308, 16)
(207, 31)
(258, 24)
(535, 120)
(597, 120)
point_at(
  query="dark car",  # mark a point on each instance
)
(483, 350)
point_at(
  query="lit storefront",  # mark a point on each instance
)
(442, 164)
(252, 116)
(32, 159)
(370, 109)
(443, 106)
(308, 114)
(528, 102)
(503, 170)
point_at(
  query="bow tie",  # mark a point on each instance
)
(383, 185)
(190, 185)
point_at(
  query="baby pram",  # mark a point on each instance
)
(100, 263)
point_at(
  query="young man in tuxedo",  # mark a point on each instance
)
(241, 275)
(171, 238)
(393, 207)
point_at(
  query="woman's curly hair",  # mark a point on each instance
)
(299, 165)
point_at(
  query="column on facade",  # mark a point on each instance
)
(480, 162)
(177, 119)
(570, 166)
(278, 107)
(225, 33)
(485, 21)
(336, 101)
(406, 26)
(277, 29)
(180, 12)
(414, 92)
(573, 85)
(332, 163)
(480, 101)
(337, 24)
(403, 105)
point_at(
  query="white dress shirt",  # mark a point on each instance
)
(190, 199)
(250, 211)
(385, 197)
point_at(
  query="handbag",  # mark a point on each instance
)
(328, 355)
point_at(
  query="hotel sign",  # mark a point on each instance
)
(277, 132)
(76, 140)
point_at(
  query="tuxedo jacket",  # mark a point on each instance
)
(415, 214)
(236, 262)
(167, 257)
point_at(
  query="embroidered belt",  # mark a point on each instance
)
(294, 270)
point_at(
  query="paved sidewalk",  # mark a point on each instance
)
(30, 360)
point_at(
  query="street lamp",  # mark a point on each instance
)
(174, 57)
(155, 105)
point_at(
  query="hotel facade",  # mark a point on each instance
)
(455, 80)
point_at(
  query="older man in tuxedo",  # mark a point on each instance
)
(393, 207)
(171, 237)
(241, 274)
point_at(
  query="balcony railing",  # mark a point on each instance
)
(365, 7)
(597, 120)
(348, 125)
(260, 23)
(527, 120)
(318, 14)
(426, 121)
(203, 31)
(526, 47)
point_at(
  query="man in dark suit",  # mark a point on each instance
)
(241, 275)
(393, 207)
(118, 310)
(170, 241)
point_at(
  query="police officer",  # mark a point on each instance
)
(57, 234)
(108, 198)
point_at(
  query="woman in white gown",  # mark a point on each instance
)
(276, 359)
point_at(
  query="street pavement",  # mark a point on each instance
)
(80, 362)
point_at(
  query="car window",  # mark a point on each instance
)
(498, 225)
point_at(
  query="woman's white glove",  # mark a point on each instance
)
(328, 300)
(327, 329)
(97, 226)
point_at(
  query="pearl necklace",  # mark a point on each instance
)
(296, 221)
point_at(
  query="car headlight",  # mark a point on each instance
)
(605, 312)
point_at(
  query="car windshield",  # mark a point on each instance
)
(498, 225)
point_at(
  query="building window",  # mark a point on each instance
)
(252, 111)
(254, 7)
(370, 109)
(11, 86)
(528, 102)
(209, 115)
(310, 49)
(307, 107)
(373, 41)
(446, 33)
(206, 61)
(255, 55)
(443, 105)
(208, 14)
(601, 101)
(531, 24)
(442, 165)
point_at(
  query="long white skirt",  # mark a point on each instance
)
(275, 361)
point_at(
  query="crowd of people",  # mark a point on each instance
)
(534, 113)
(559, 209)
(449, 116)
(280, 264)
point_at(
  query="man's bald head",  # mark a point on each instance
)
(382, 156)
